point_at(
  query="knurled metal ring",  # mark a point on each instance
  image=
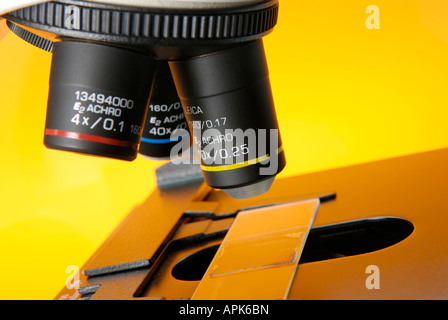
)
(95, 21)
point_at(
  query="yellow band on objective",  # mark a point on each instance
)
(239, 165)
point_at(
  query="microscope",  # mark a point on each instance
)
(187, 82)
(126, 80)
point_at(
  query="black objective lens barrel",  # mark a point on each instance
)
(228, 103)
(97, 99)
(165, 117)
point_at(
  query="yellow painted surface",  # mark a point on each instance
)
(344, 94)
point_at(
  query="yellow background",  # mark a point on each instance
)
(344, 94)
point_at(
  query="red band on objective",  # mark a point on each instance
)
(89, 137)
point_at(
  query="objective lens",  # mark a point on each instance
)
(101, 81)
(228, 103)
(165, 117)
(97, 99)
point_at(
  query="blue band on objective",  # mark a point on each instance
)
(160, 141)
